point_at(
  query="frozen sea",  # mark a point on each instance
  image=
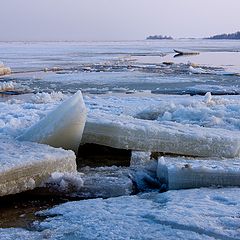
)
(132, 84)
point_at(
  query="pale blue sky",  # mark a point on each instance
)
(115, 19)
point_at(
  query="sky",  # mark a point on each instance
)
(102, 20)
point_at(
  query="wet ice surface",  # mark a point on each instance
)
(112, 70)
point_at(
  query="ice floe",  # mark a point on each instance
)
(170, 137)
(26, 165)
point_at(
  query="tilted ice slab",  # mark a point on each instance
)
(129, 133)
(26, 165)
(184, 214)
(63, 127)
(183, 173)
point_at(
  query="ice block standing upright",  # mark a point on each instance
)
(63, 127)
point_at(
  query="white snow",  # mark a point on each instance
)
(192, 110)
(20, 234)
(181, 173)
(63, 127)
(26, 165)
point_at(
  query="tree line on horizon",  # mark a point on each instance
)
(159, 37)
(233, 36)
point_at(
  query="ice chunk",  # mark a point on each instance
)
(63, 127)
(142, 135)
(182, 173)
(25, 165)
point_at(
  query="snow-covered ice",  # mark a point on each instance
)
(183, 214)
(26, 165)
(63, 127)
(181, 173)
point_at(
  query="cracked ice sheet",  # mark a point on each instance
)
(184, 214)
